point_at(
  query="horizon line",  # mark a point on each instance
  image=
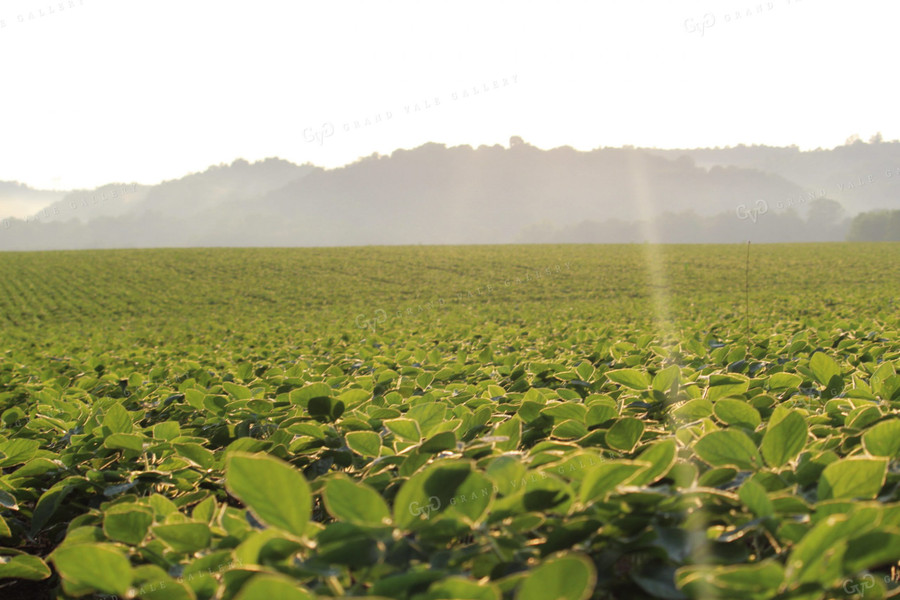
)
(858, 141)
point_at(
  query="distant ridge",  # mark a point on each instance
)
(435, 194)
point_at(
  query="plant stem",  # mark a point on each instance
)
(747, 287)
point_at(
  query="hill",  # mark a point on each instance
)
(490, 194)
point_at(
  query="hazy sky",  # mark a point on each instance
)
(139, 90)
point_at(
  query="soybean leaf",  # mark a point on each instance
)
(273, 490)
(728, 447)
(355, 503)
(860, 478)
(784, 440)
(101, 567)
(566, 577)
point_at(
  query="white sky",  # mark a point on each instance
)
(139, 90)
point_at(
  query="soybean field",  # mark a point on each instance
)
(426, 422)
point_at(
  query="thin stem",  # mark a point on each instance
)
(747, 287)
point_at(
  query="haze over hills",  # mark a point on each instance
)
(19, 200)
(187, 197)
(491, 194)
(861, 176)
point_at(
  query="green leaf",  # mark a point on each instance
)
(238, 392)
(577, 464)
(784, 381)
(184, 537)
(600, 413)
(429, 416)
(779, 413)
(23, 566)
(567, 577)
(162, 506)
(216, 404)
(273, 587)
(313, 390)
(17, 451)
(562, 411)
(48, 504)
(127, 523)
(354, 397)
(819, 555)
(717, 476)
(197, 454)
(883, 439)
(728, 447)
(506, 471)
(117, 419)
(397, 586)
(754, 497)
(446, 440)
(100, 567)
(661, 456)
(510, 429)
(366, 443)
(737, 412)
(327, 409)
(666, 378)
(37, 467)
(7, 500)
(424, 380)
(495, 391)
(784, 440)
(205, 510)
(585, 371)
(603, 479)
(872, 549)
(345, 544)
(726, 385)
(569, 430)
(693, 410)
(757, 581)
(166, 588)
(824, 368)
(195, 398)
(472, 498)
(460, 588)
(167, 430)
(355, 503)
(429, 491)
(405, 429)
(625, 434)
(124, 441)
(630, 378)
(860, 478)
(273, 490)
